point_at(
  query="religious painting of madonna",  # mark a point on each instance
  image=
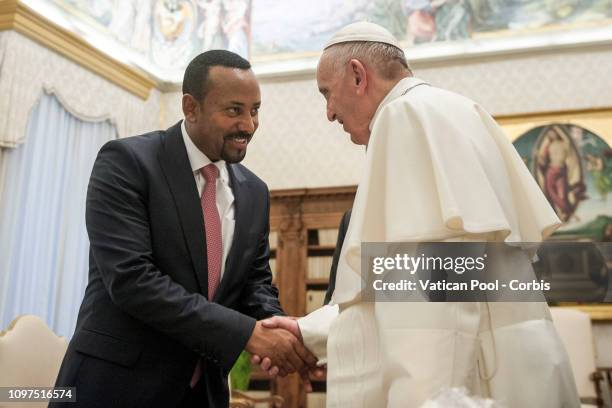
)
(573, 167)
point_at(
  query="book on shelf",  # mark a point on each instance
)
(273, 267)
(315, 400)
(314, 300)
(328, 236)
(273, 239)
(259, 394)
(319, 267)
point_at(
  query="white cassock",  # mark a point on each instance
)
(438, 168)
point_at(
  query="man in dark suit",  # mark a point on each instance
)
(179, 273)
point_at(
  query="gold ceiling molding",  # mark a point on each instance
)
(600, 312)
(16, 16)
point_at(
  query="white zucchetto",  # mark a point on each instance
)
(363, 31)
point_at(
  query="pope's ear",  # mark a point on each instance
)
(359, 75)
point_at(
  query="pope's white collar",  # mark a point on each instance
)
(395, 92)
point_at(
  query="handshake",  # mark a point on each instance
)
(277, 346)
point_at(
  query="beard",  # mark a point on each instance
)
(229, 152)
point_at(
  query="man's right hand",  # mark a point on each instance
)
(290, 324)
(282, 347)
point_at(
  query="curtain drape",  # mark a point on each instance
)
(44, 244)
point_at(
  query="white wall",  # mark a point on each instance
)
(296, 146)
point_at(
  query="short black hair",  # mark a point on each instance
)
(196, 73)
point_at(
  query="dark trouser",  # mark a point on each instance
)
(195, 397)
(103, 384)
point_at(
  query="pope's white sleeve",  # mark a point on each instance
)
(315, 329)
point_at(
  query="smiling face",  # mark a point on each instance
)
(222, 124)
(345, 93)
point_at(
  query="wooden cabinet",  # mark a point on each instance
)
(303, 222)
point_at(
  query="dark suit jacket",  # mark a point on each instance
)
(342, 228)
(145, 319)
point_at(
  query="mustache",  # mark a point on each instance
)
(238, 135)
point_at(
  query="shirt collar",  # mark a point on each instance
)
(398, 90)
(197, 159)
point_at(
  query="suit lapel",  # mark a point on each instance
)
(175, 165)
(243, 211)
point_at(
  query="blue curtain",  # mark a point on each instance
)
(43, 241)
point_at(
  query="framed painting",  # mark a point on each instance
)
(569, 156)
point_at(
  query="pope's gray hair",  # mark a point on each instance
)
(387, 59)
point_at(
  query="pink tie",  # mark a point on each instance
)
(212, 228)
(214, 250)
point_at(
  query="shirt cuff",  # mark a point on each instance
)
(315, 329)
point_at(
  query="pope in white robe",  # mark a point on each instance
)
(438, 168)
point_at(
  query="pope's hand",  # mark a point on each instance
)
(288, 323)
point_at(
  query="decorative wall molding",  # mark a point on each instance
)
(597, 120)
(16, 16)
(600, 312)
(28, 68)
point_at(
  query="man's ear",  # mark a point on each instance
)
(189, 107)
(359, 76)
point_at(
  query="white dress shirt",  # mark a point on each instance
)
(225, 196)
